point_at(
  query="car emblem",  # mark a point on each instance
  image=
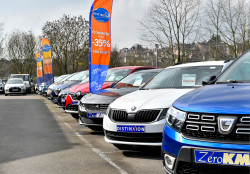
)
(133, 108)
(226, 124)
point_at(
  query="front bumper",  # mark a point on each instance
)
(84, 119)
(151, 137)
(72, 109)
(174, 145)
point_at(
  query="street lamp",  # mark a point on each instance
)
(156, 61)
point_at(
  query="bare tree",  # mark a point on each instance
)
(171, 23)
(1, 40)
(69, 40)
(21, 52)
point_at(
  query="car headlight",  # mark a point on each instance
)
(163, 114)
(175, 118)
(81, 107)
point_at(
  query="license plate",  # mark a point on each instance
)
(63, 100)
(224, 158)
(55, 100)
(96, 115)
(75, 103)
(130, 128)
(14, 90)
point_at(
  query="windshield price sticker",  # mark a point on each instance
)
(130, 128)
(188, 79)
(75, 103)
(224, 158)
(96, 115)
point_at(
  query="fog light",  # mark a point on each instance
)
(169, 161)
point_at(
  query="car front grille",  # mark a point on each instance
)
(134, 137)
(139, 117)
(15, 89)
(72, 107)
(96, 107)
(205, 127)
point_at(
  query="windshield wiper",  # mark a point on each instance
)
(144, 89)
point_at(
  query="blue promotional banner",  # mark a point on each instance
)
(39, 70)
(99, 43)
(47, 62)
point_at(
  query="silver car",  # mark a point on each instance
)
(15, 86)
(1, 86)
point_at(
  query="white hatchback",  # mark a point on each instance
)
(138, 118)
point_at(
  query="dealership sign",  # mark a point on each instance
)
(99, 43)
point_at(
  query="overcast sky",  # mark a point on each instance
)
(28, 15)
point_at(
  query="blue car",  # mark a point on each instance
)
(208, 129)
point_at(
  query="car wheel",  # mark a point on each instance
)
(76, 116)
(24, 93)
(96, 128)
(6, 94)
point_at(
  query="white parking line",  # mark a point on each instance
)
(97, 151)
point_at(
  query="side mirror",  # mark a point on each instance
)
(31, 80)
(208, 80)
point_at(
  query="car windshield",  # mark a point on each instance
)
(15, 81)
(239, 72)
(114, 75)
(182, 77)
(79, 76)
(135, 79)
(24, 77)
(67, 77)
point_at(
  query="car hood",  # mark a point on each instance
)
(106, 96)
(149, 99)
(219, 98)
(84, 87)
(65, 84)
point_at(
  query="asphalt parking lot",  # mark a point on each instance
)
(38, 137)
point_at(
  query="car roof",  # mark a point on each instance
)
(131, 67)
(148, 70)
(207, 63)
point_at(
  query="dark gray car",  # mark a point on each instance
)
(93, 106)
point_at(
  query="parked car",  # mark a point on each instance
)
(15, 86)
(64, 93)
(73, 80)
(138, 118)
(1, 86)
(113, 76)
(58, 82)
(26, 79)
(93, 107)
(208, 130)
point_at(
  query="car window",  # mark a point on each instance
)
(15, 81)
(182, 77)
(24, 77)
(79, 76)
(135, 79)
(239, 71)
(114, 75)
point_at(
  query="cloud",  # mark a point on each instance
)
(28, 15)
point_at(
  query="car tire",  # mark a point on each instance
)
(76, 116)
(24, 93)
(6, 94)
(96, 128)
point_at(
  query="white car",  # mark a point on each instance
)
(138, 118)
(15, 86)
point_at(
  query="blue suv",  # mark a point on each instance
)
(208, 130)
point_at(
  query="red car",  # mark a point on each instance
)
(78, 91)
